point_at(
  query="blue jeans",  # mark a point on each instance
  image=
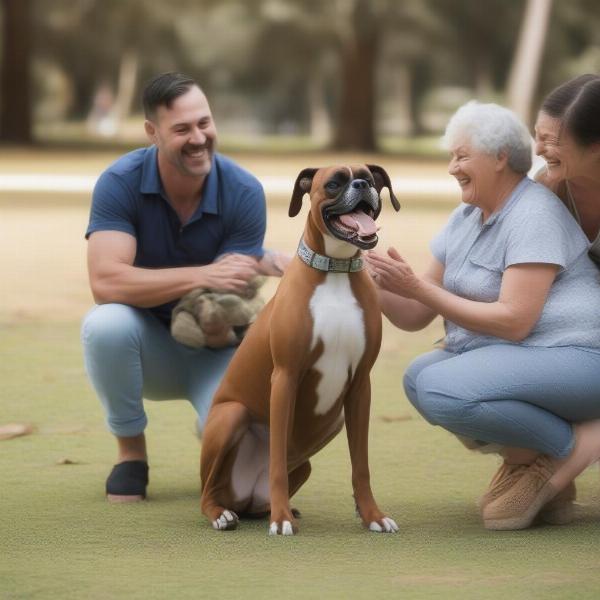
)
(130, 355)
(517, 396)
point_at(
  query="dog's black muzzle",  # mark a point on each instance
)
(357, 196)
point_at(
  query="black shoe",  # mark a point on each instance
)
(127, 481)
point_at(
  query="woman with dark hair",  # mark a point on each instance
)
(567, 136)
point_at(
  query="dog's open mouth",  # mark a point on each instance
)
(356, 227)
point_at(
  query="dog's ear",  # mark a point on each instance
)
(301, 187)
(382, 179)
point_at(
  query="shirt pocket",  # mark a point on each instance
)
(482, 278)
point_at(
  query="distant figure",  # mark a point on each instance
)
(165, 220)
(101, 120)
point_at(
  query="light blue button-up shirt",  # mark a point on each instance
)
(532, 226)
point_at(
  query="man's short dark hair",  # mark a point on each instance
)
(163, 89)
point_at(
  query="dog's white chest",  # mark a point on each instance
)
(338, 323)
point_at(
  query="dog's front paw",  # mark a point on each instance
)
(283, 528)
(226, 521)
(383, 525)
(283, 524)
(374, 520)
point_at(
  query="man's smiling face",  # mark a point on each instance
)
(185, 134)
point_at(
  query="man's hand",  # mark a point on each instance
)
(230, 273)
(273, 263)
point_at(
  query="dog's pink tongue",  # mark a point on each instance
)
(360, 222)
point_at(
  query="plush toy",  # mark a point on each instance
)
(212, 319)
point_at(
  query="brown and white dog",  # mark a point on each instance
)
(303, 367)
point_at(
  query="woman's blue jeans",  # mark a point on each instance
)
(130, 355)
(508, 394)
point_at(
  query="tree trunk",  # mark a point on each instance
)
(320, 122)
(525, 69)
(355, 126)
(402, 93)
(127, 79)
(419, 80)
(15, 85)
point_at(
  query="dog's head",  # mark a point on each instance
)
(344, 201)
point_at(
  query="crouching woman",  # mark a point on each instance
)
(512, 278)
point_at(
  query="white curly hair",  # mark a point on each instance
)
(492, 129)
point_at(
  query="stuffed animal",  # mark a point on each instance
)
(212, 319)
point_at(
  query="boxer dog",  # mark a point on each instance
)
(303, 367)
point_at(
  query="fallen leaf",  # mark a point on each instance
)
(394, 418)
(13, 430)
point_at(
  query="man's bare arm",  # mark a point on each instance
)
(113, 278)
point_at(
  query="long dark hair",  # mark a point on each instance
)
(577, 104)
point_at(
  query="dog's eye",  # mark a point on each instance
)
(332, 186)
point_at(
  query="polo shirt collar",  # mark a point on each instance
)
(210, 193)
(510, 202)
(152, 184)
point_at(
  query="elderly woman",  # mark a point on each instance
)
(511, 276)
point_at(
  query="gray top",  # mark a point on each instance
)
(532, 226)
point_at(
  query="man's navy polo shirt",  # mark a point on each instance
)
(231, 217)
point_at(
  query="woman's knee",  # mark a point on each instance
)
(111, 326)
(414, 369)
(438, 401)
(409, 381)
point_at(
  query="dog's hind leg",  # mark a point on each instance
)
(297, 478)
(226, 424)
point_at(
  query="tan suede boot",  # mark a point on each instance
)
(505, 477)
(559, 511)
(519, 506)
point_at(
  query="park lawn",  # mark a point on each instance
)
(60, 539)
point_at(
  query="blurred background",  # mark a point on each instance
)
(292, 83)
(286, 74)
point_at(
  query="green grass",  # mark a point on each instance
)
(60, 539)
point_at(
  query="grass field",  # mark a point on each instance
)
(60, 539)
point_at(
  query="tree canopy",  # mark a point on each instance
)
(345, 72)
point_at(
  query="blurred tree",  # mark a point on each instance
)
(359, 47)
(407, 62)
(291, 68)
(525, 69)
(323, 62)
(339, 70)
(108, 43)
(15, 85)
(477, 43)
(573, 44)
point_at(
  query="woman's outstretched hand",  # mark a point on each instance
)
(392, 273)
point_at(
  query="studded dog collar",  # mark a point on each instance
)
(327, 263)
